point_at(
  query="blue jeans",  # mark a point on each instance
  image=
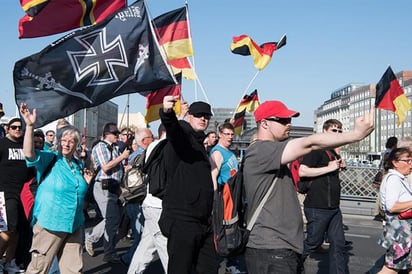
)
(273, 261)
(320, 221)
(135, 213)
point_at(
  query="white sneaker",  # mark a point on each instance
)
(11, 267)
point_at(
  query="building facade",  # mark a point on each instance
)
(354, 100)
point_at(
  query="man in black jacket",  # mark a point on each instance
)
(187, 203)
(321, 205)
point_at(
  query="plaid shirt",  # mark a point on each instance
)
(101, 155)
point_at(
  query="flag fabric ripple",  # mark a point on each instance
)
(390, 96)
(92, 65)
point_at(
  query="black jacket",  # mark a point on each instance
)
(189, 193)
(324, 190)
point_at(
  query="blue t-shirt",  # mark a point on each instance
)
(230, 164)
(58, 205)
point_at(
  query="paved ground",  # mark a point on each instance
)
(362, 255)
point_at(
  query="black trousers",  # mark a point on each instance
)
(189, 246)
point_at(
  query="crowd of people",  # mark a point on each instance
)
(177, 228)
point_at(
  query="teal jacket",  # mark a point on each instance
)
(58, 204)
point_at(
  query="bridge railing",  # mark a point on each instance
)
(356, 183)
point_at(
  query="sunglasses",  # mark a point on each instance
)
(283, 121)
(336, 130)
(200, 115)
(16, 127)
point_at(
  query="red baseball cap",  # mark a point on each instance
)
(274, 109)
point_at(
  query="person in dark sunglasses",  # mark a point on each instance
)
(321, 205)
(187, 203)
(276, 240)
(13, 174)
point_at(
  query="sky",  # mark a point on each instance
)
(329, 45)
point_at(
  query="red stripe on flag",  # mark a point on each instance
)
(174, 31)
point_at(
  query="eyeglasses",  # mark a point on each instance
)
(204, 115)
(16, 127)
(336, 130)
(228, 133)
(408, 161)
(283, 121)
(50, 135)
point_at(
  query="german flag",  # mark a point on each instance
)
(244, 45)
(239, 120)
(249, 102)
(60, 16)
(33, 7)
(173, 33)
(155, 100)
(390, 96)
(182, 66)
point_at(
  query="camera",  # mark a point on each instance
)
(105, 184)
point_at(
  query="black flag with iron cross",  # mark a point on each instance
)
(93, 65)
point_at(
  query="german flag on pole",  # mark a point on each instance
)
(173, 32)
(239, 120)
(249, 102)
(60, 16)
(182, 66)
(155, 100)
(390, 96)
(244, 45)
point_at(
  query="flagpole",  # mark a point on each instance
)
(127, 117)
(84, 124)
(193, 58)
(245, 91)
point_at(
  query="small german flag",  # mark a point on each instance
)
(249, 102)
(239, 120)
(390, 96)
(244, 45)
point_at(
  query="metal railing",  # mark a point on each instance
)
(357, 184)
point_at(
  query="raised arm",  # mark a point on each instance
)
(301, 146)
(29, 119)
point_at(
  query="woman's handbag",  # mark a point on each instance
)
(405, 215)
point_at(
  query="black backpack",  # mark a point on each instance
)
(228, 217)
(230, 228)
(154, 169)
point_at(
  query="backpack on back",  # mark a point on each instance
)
(155, 170)
(228, 217)
(302, 186)
(133, 187)
(28, 192)
(230, 228)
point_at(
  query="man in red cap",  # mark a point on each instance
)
(276, 240)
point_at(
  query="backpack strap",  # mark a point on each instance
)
(48, 168)
(110, 148)
(256, 214)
